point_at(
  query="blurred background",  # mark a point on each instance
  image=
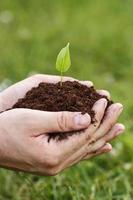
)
(100, 35)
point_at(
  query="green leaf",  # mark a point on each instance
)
(63, 61)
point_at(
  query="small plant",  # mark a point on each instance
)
(63, 61)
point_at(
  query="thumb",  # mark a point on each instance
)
(44, 122)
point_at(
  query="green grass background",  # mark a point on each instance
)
(101, 36)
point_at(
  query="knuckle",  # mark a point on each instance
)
(62, 120)
(94, 152)
(92, 141)
(88, 137)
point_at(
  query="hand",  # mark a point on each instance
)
(24, 136)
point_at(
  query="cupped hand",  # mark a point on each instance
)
(24, 132)
(24, 138)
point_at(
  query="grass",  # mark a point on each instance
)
(100, 32)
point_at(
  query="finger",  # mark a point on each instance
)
(110, 119)
(99, 109)
(87, 83)
(40, 122)
(83, 153)
(104, 93)
(98, 148)
(11, 95)
(75, 156)
(105, 149)
(116, 130)
(77, 140)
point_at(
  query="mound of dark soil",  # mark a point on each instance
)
(72, 96)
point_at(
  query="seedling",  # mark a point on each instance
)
(63, 61)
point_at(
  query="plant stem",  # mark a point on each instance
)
(61, 79)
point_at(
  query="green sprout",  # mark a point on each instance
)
(63, 61)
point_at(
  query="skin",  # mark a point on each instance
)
(24, 132)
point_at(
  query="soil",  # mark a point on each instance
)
(72, 96)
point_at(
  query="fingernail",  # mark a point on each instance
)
(119, 132)
(121, 127)
(108, 146)
(103, 102)
(82, 120)
(118, 107)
